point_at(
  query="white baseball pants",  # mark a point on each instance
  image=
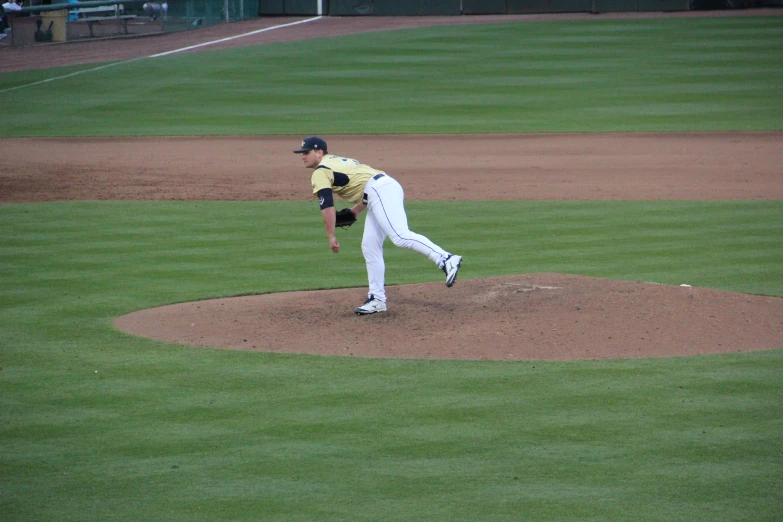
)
(386, 218)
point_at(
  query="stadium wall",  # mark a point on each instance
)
(459, 7)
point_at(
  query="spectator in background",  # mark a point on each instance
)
(156, 9)
(8, 7)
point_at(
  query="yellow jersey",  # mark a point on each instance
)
(346, 177)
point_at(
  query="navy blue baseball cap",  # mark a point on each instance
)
(312, 143)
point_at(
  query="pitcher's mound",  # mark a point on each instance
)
(538, 316)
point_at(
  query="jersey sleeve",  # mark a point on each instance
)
(323, 178)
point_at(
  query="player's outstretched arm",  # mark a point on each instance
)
(329, 217)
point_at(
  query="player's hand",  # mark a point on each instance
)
(334, 245)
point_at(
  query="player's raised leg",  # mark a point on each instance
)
(389, 210)
(387, 204)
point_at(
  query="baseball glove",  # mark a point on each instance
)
(345, 218)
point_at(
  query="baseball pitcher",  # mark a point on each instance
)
(382, 196)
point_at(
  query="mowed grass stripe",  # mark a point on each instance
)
(555, 440)
(246, 247)
(575, 76)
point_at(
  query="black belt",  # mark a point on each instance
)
(376, 177)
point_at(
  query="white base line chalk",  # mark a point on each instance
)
(99, 68)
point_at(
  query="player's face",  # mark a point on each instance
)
(312, 158)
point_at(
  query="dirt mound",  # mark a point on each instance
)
(539, 316)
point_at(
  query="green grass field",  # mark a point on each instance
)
(97, 425)
(629, 75)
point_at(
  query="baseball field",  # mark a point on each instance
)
(177, 340)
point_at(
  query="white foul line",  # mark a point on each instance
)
(68, 75)
(160, 54)
(235, 37)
